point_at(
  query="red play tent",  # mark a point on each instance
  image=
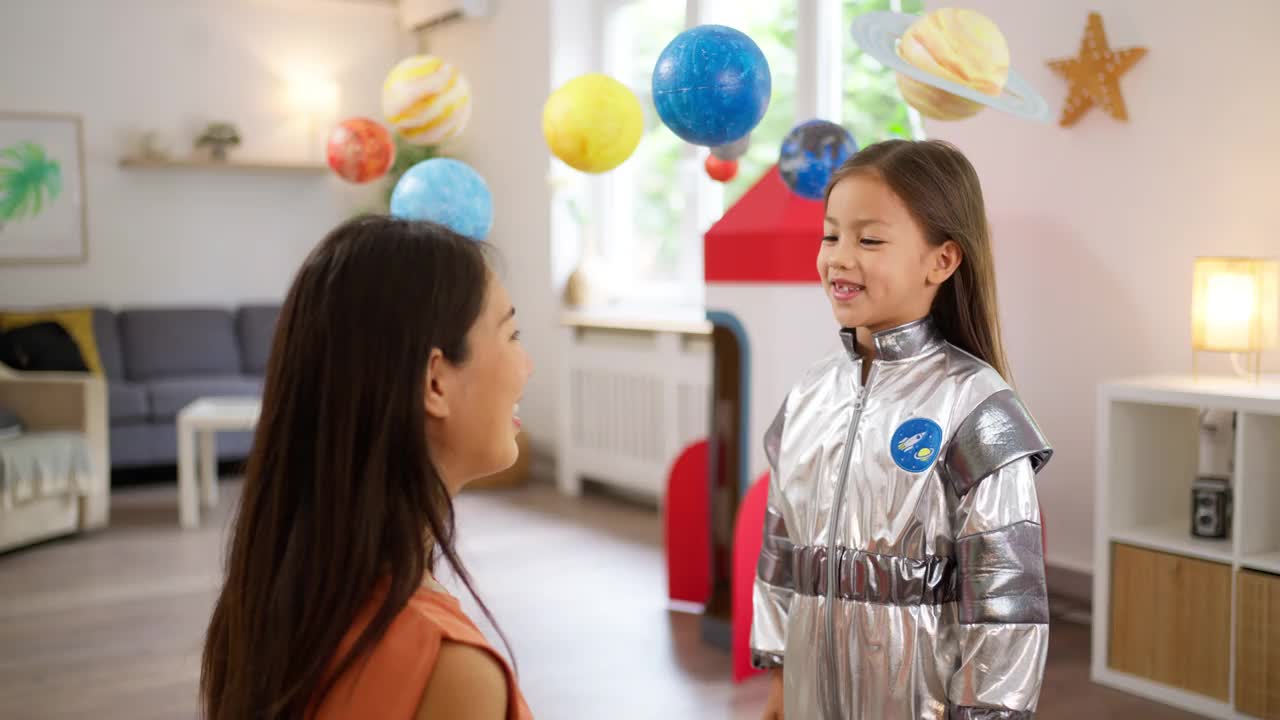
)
(770, 235)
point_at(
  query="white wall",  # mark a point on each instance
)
(506, 59)
(1096, 225)
(163, 237)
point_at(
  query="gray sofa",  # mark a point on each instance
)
(156, 360)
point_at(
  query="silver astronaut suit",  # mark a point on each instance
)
(902, 572)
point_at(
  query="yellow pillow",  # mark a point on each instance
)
(78, 323)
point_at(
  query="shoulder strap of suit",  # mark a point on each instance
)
(999, 431)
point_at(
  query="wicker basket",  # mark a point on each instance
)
(1258, 644)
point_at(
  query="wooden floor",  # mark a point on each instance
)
(109, 625)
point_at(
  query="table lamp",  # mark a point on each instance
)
(1234, 309)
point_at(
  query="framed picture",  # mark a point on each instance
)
(42, 189)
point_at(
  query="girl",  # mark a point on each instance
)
(393, 379)
(902, 571)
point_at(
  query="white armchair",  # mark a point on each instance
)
(49, 402)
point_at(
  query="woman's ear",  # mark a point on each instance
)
(945, 260)
(439, 379)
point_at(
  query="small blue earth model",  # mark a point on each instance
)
(811, 152)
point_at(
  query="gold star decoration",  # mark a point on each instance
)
(1094, 76)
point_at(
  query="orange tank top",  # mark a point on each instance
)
(390, 682)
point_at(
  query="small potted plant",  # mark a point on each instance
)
(218, 137)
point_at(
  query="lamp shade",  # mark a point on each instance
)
(1234, 304)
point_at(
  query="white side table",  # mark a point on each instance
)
(204, 417)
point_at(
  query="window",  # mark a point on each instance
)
(772, 25)
(872, 108)
(647, 197)
(639, 227)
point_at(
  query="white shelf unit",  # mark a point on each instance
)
(1147, 453)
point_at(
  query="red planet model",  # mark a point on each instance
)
(721, 170)
(360, 150)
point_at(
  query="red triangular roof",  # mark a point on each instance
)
(770, 235)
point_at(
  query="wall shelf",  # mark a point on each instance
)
(251, 165)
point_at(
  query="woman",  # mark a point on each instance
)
(393, 381)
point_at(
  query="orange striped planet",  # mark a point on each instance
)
(426, 99)
(360, 150)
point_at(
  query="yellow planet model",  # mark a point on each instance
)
(593, 123)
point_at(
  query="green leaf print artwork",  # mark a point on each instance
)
(29, 179)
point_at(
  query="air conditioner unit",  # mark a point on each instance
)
(419, 14)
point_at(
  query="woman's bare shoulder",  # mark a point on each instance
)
(467, 683)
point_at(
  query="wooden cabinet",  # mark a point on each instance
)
(1258, 644)
(1171, 620)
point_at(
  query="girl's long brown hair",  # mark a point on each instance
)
(340, 492)
(941, 191)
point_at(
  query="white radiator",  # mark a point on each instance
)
(632, 396)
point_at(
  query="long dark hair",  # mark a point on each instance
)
(940, 188)
(340, 490)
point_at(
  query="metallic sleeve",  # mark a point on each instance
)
(775, 578)
(997, 432)
(1003, 605)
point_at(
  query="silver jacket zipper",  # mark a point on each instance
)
(833, 697)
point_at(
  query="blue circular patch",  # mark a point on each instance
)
(915, 444)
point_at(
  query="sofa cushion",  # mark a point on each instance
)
(256, 326)
(178, 343)
(143, 444)
(169, 395)
(107, 337)
(135, 445)
(127, 402)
